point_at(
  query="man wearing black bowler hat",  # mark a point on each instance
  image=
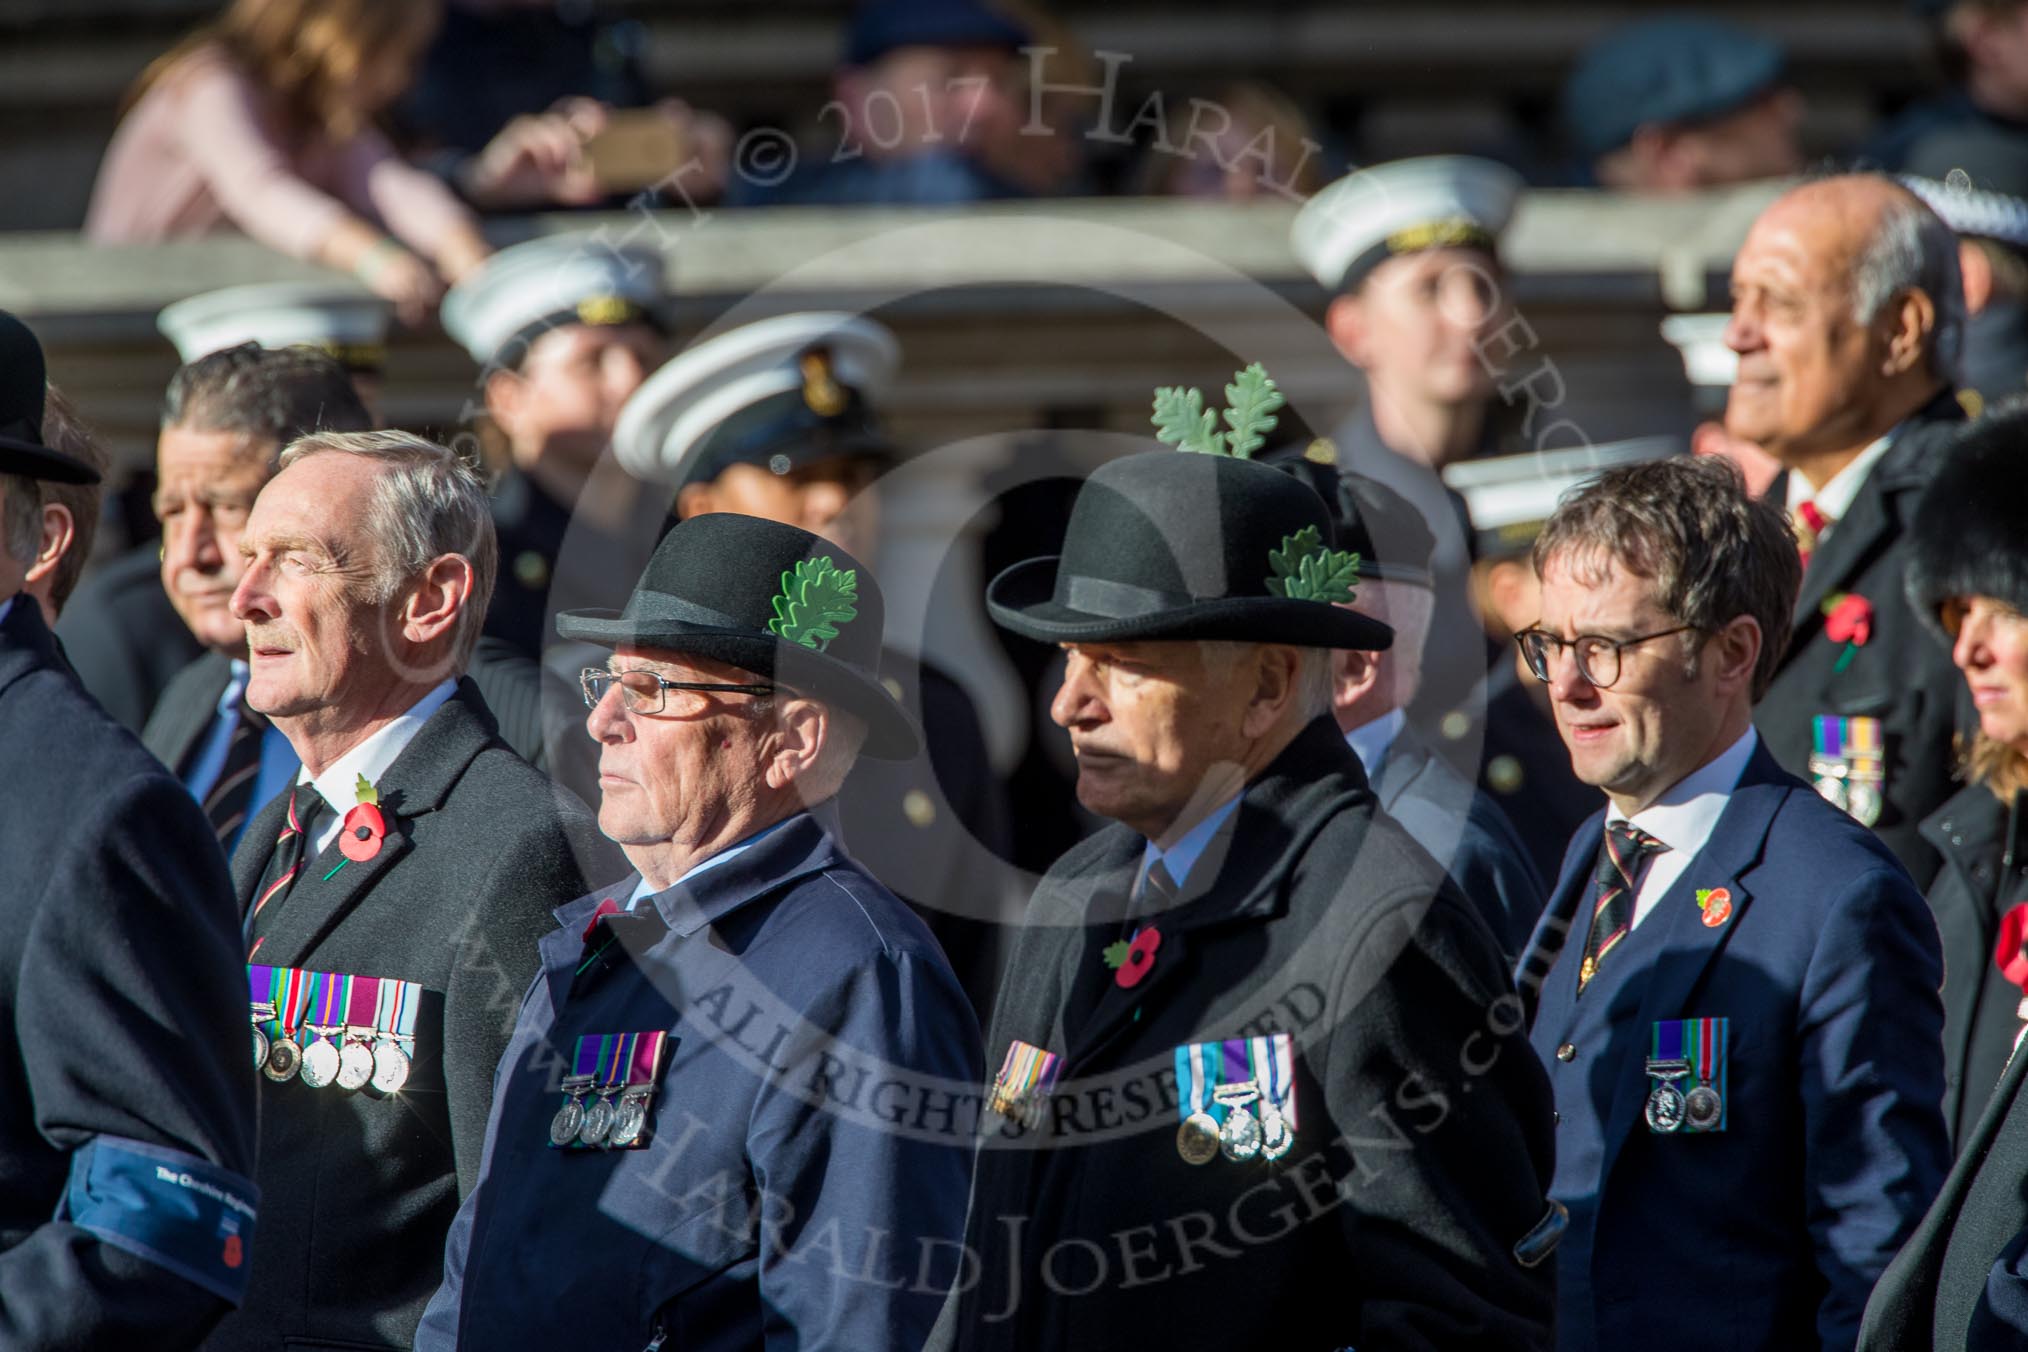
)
(126, 1110)
(732, 1109)
(1261, 1076)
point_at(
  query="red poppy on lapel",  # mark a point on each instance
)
(364, 829)
(1139, 957)
(1849, 620)
(605, 908)
(2009, 954)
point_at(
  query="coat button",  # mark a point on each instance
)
(1566, 1052)
(1555, 1118)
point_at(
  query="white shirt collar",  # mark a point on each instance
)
(731, 852)
(339, 783)
(1370, 741)
(1835, 498)
(1683, 817)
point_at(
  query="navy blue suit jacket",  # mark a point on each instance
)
(1770, 1233)
(806, 1181)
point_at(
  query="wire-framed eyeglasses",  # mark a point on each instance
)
(648, 692)
(1598, 657)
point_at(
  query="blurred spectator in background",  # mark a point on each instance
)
(345, 326)
(1982, 50)
(1263, 148)
(1975, 177)
(1408, 253)
(1045, 149)
(928, 89)
(264, 121)
(563, 329)
(1680, 102)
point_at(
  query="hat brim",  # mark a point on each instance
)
(1023, 599)
(33, 461)
(891, 733)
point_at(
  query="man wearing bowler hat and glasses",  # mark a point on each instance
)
(1261, 1076)
(731, 1110)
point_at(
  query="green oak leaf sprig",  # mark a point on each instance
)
(1304, 570)
(1251, 400)
(816, 597)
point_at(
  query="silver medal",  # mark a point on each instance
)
(563, 1127)
(355, 1065)
(390, 1067)
(1832, 787)
(320, 1064)
(1864, 801)
(1665, 1108)
(598, 1120)
(1240, 1138)
(284, 1057)
(1702, 1108)
(629, 1119)
(1275, 1136)
(260, 1047)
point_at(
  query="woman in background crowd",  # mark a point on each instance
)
(264, 121)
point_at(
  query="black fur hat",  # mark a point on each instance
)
(1970, 533)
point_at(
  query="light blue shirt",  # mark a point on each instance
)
(278, 766)
(5, 606)
(1181, 857)
(725, 856)
(1370, 741)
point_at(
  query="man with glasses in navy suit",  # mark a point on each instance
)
(1735, 985)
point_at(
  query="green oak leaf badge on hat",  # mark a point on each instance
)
(816, 597)
(1304, 569)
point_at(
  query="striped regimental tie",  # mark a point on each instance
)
(291, 853)
(1621, 857)
(232, 794)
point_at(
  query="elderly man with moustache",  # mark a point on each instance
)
(1848, 316)
(393, 896)
(1262, 1077)
(1735, 985)
(729, 1117)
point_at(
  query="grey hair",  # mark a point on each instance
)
(273, 396)
(21, 520)
(429, 502)
(1314, 682)
(1911, 248)
(1407, 608)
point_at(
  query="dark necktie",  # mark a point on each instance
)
(293, 849)
(1621, 857)
(232, 794)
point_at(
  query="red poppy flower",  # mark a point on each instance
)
(1140, 957)
(364, 829)
(2008, 952)
(1850, 621)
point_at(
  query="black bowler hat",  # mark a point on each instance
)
(1383, 528)
(23, 380)
(768, 598)
(1171, 545)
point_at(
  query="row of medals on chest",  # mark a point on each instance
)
(1243, 1135)
(601, 1122)
(359, 1056)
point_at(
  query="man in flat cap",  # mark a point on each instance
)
(925, 89)
(1848, 317)
(1370, 691)
(1679, 102)
(781, 419)
(126, 1111)
(1262, 1081)
(730, 1113)
(1408, 253)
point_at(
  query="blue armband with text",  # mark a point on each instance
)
(176, 1210)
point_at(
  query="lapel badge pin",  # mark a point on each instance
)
(1716, 903)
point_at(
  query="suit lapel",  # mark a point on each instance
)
(1552, 931)
(257, 846)
(415, 785)
(1688, 944)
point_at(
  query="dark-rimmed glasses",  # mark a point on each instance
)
(1598, 657)
(645, 692)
